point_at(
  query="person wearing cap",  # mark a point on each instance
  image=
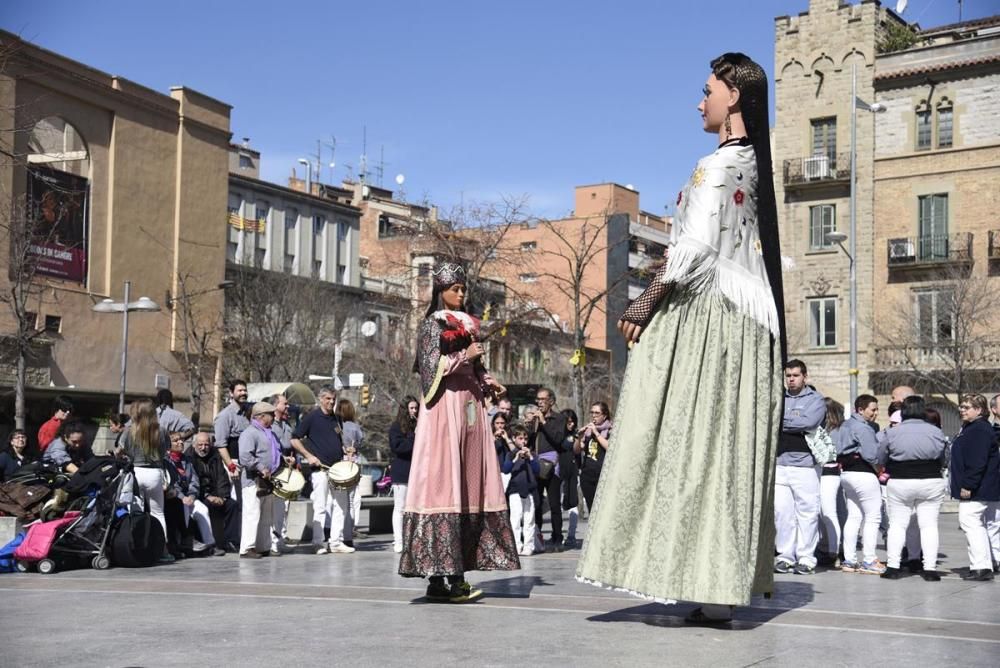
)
(913, 455)
(260, 456)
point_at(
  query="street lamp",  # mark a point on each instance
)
(856, 103)
(309, 175)
(143, 304)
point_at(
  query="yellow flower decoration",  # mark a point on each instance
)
(697, 177)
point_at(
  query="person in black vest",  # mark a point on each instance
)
(975, 482)
(214, 488)
(401, 435)
(547, 438)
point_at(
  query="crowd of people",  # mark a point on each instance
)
(840, 478)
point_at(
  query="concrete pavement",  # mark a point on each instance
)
(353, 610)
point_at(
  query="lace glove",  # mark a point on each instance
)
(642, 308)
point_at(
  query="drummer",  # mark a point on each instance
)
(283, 430)
(260, 458)
(323, 430)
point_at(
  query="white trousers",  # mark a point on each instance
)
(330, 506)
(522, 518)
(258, 522)
(398, 503)
(150, 483)
(972, 517)
(903, 499)
(829, 497)
(993, 528)
(202, 520)
(353, 512)
(796, 513)
(864, 512)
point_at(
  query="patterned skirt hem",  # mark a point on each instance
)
(453, 543)
(625, 590)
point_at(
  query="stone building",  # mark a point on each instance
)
(124, 181)
(925, 188)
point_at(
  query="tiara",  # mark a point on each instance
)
(448, 274)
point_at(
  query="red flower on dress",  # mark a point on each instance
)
(680, 193)
(738, 197)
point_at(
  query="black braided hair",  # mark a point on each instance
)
(738, 71)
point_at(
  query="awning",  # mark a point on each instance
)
(298, 394)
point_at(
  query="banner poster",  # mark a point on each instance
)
(58, 203)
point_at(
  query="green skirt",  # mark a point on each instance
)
(685, 505)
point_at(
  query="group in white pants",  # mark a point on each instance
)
(904, 499)
(981, 523)
(864, 511)
(263, 517)
(150, 482)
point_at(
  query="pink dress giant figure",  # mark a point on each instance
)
(455, 519)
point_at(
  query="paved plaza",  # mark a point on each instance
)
(353, 610)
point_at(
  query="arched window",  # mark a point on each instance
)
(945, 123)
(57, 189)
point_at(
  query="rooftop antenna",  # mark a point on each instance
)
(400, 179)
(332, 145)
(380, 170)
(363, 169)
(319, 162)
(959, 11)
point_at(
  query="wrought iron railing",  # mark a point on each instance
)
(975, 355)
(817, 169)
(932, 249)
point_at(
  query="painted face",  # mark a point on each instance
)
(795, 380)
(715, 103)
(454, 297)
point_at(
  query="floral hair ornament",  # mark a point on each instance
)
(449, 274)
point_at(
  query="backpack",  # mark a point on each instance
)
(23, 500)
(137, 539)
(7, 564)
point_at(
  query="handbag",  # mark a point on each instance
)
(545, 468)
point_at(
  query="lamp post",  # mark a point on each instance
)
(309, 175)
(143, 304)
(852, 236)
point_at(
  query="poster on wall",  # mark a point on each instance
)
(58, 204)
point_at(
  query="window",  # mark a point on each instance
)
(342, 229)
(528, 246)
(823, 322)
(291, 239)
(424, 269)
(53, 324)
(923, 130)
(932, 242)
(944, 127)
(342, 274)
(934, 316)
(824, 138)
(245, 162)
(232, 243)
(318, 245)
(31, 320)
(822, 221)
(528, 278)
(263, 210)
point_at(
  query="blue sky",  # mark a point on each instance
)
(469, 99)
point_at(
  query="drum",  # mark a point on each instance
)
(344, 476)
(288, 482)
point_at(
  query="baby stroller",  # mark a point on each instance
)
(383, 486)
(83, 532)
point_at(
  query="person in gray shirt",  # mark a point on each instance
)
(913, 454)
(68, 451)
(857, 453)
(796, 481)
(173, 421)
(229, 424)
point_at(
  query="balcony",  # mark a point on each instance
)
(993, 252)
(934, 253)
(817, 170)
(978, 364)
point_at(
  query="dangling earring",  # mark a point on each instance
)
(729, 128)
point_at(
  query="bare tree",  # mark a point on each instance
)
(280, 326)
(200, 337)
(942, 338)
(580, 246)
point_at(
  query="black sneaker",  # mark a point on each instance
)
(931, 576)
(914, 566)
(783, 567)
(804, 569)
(555, 546)
(891, 573)
(438, 592)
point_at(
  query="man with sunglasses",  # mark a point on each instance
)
(547, 436)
